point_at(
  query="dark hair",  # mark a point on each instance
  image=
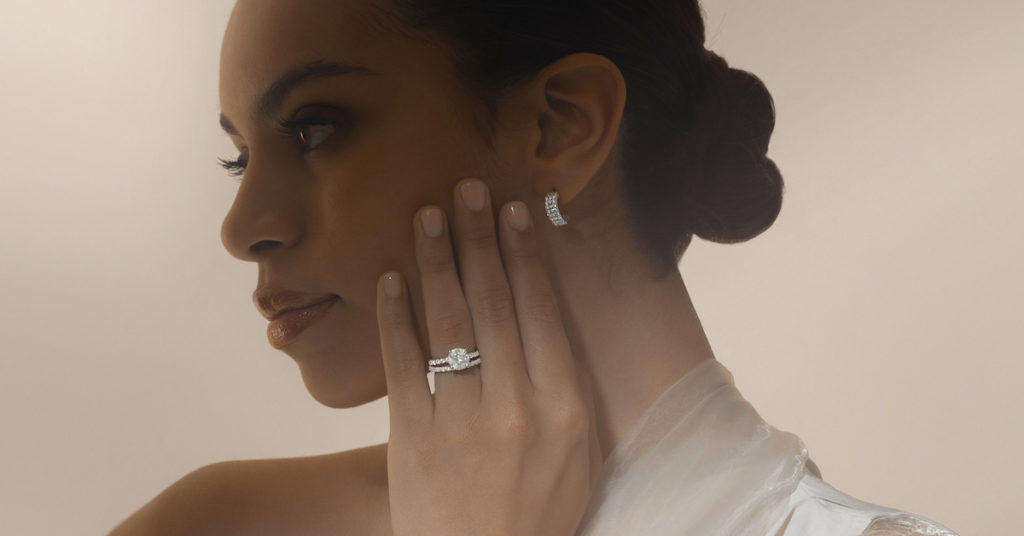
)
(695, 131)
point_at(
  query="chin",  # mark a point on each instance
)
(344, 389)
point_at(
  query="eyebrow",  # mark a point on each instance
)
(275, 95)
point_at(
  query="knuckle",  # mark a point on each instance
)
(436, 259)
(464, 434)
(542, 307)
(392, 318)
(520, 251)
(450, 325)
(570, 420)
(458, 436)
(478, 238)
(494, 306)
(517, 424)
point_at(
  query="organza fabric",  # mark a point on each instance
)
(700, 461)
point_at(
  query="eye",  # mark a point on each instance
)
(311, 131)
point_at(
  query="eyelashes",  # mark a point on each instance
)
(235, 167)
(290, 129)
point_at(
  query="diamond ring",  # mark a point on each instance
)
(457, 359)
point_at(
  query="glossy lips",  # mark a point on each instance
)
(272, 302)
(289, 312)
(287, 325)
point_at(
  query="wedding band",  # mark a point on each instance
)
(457, 359)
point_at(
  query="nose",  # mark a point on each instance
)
(262, 219)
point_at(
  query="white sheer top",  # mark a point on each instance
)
(700, 461)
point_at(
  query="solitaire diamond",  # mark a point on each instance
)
(458, 358)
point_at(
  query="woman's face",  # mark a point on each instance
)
(333, 219)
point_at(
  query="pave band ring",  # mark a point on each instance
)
(457, 359)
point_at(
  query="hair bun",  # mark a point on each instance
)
(740, 193)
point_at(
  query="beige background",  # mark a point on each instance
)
(879, 319)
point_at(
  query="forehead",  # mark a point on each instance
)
(266, 38)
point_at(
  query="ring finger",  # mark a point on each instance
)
(449, 324)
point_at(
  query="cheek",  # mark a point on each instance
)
(362, 227)
(369, 193)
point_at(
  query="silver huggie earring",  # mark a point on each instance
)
(551, 204)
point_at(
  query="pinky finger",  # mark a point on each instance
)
(410, 403)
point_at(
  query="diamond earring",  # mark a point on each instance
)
(551, 205)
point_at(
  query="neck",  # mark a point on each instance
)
(637, 336)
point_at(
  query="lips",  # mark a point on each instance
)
(291, 323)
(272, 303)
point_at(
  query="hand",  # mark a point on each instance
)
(504, 448)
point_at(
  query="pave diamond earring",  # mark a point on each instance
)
(551, 204)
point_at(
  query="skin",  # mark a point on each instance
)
(520, 423)
(334, 220)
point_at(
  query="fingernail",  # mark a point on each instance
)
(473, 194)
(431, 220)
(518, 215)
(393, 284)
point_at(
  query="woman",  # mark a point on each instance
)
(548, 215)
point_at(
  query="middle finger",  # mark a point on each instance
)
(503, 367)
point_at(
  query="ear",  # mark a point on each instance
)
(571, 112)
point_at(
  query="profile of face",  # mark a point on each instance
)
(336, 167)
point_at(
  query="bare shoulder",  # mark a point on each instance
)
(294, 496)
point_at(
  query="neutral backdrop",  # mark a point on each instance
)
(879, 318)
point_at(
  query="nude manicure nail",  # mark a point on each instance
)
(431, 220)
(473, 194)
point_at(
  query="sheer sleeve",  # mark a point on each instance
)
(700, 460)
(817, 508)
(904, 524)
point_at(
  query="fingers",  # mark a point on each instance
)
(449, 324)
(487, 290)
(548, 355)
(409, 401)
